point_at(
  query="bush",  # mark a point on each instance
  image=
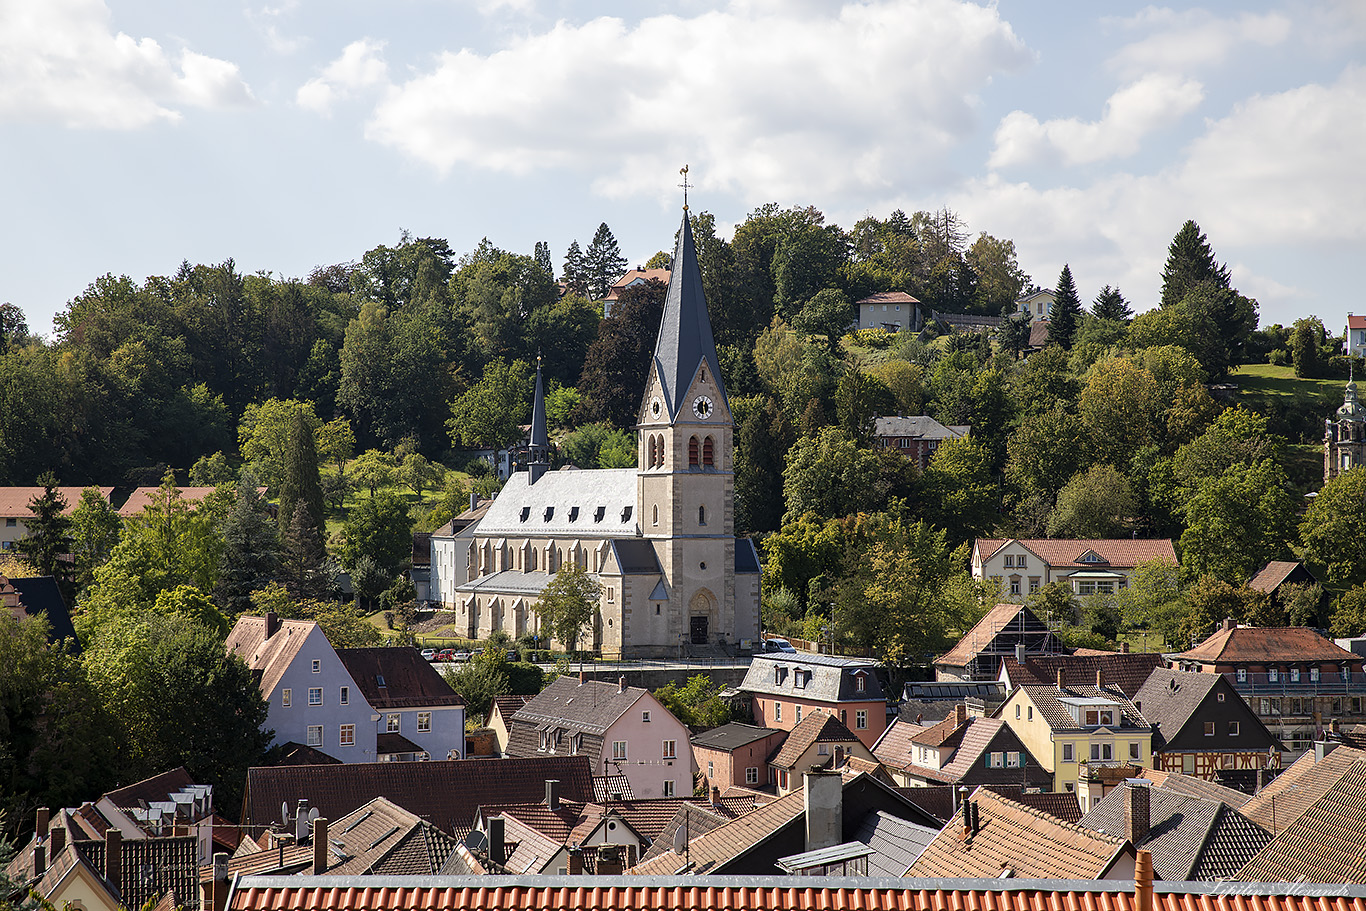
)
(874, 338)
(1279, 357)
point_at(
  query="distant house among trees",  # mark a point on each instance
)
(891, 310)
(916, 438)
(629, 280)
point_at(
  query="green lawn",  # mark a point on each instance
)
(417, 506)
(1268, 382)
(1296, 409)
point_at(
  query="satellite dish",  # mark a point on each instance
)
(313, 814)
(680, 840)
(284, 811)
(476, 840)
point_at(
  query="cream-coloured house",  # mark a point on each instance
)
(1038, 304)
(1024, 565)
(659, 538)
(895, 311)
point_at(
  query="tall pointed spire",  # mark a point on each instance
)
(685, 340)
(538, 446)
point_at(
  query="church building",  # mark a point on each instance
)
(659, 538)
(1344, 437)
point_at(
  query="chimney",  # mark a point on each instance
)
(960, 715)
(272, 623)
(44, 817)
(1322, 748)
(583, 675)
(715, 795)
(1100, 678)
(39, 858)
(1019, 653)
(220, 866)
(1229, 623)
(497, 840)
(552, 793)
(575, 865)
(1261, 780)
(609, 861)
(823, 793)
(113, 857)
(1061, 677)
(621, 685)
(320, 846)
(1124, 648)
(56, 841)
(474, 500)
(1136, 811)
(218, 887)
(1143, 881)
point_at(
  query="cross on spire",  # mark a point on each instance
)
(684, 171)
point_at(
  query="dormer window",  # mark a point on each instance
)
(573, 514)
(860, 683)
(599, 513)
(526, 513)
(549, 513)
(1091, 557)
(626, 514)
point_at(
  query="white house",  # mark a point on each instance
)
(892, 310)
(1023, 565)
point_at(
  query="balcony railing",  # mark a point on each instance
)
(1328, 684)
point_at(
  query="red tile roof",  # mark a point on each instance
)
(1065, 553)
(14, 501)
(269, 656)
(817, 727)
(1356, 321)
(409, 680)
(1256, 645)
(141, 498)
(1126, 670)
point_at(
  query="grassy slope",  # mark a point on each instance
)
(1297, 408)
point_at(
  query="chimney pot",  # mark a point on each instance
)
(320, 846)
(474, 500)
(552, 793)
(1229, 623)
(621, 685)
(1061, 677)
(39, 859)
(497, 840)
(272, 623)
(823, 794)
(113, 857)
(1143, 881)
(1137, 810)
(1019, 653)
(220, 866)
(1100, 678)
(43, 818)
(575, 865)
(960, 715)
(715, 795)
(56, 841)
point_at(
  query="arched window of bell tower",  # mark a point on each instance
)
(654, 515)
(692, 452)
(659, 438)
(708, 453)
(701, 515)
(654, 452)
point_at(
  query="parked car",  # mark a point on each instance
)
(446, 654)
(460, 656)
(779, 645)
(429, 654)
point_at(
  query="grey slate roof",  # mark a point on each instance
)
(40, 594)
(685, 340)
(746, 557)
(509, 581)
(581, 705)
(920, 427)
(605, 499)
(896, 842)
(1059, 719)
(1169, 698)
(636, 556)
(831, 679)
(1190, 838)
(731, 736)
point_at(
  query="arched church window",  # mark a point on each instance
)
(692, 452)
(655, 515)
(660, 457)
(701, 515)
(654, 452)
(708, 453)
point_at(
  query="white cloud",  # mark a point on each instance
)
(1151, 103)
(361, 66)
(266, 21)
(768, 100)
(60, 60)
(1181, 41)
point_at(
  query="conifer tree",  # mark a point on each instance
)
(301, 483)
(573, 276)
(603, 263)
(301, 556)
(1066, 313)
(49, 531)
(1190, 261)
(251, 551)
(542, 258)
(1110, 304)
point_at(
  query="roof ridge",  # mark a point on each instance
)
(1047, 817)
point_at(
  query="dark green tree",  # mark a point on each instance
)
(574, 275)
(618, 361)
(49, 531)
(13, 327)
(1190, 262)
(301, 556)
(568, 603)
(1111, 305)
(1065, 315)
(828, 313)
(603, 263)
(94, 532)
(381, 529)
(300, 482)
(1334, 531)
(830, 475)
(542, 257)
(761, 443)
(490, 413)
(251, 551)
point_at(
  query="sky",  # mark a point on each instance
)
(288, 134)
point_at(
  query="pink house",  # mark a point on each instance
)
(785, 688)
(623, 729)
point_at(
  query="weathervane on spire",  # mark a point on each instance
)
(684, 171)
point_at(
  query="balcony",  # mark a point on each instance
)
(1334, 684)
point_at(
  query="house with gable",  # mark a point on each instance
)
(1202, 726)
(1038, 304)
(1024, 565)
(421, 716)
(15, 513)
(916, 438)
(624, 730)
(1123, 669)
(960, 750)
(786, 688)
(736, 754)
(820, 741)
(632, 279)
(1007, 629)
(895, 311)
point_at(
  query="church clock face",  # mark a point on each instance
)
(702, 406)
(656, 406)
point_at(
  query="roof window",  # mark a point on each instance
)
(573, 514)
(549, 513)
(626, 514)
(526, 513)
(599, 513)
(379, 680)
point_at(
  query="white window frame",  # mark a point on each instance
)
(777, 710)
(317, 666)
(670, 749)
(752, 775)
(619, 750)
(861, 720)
(344, 696)
(1069, 753)
(424, 722)
(315, 695)
(393, 723)
(346, 735)
(315, 735)
(668, 787)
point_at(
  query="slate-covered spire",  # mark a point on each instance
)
(685, 339)
(538, 445)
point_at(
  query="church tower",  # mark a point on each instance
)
(1344, 437)
(685, 480)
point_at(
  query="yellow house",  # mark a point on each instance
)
(1075, 731)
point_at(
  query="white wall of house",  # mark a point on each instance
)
(322, 725)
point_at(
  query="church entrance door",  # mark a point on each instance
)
(699, 630)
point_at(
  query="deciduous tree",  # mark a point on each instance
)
(568, 603)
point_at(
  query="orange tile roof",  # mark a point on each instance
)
(983, 631)
(817, 727)
(1296, 789)
(684, 893)
(14, 500)
(1062, 553)
(1291, 644)
(725, 843)
(269, 656)
(1021, 839)
(142, 497)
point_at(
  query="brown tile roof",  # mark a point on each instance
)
(1324, 845)
(888, 297)
(1296, 644)
(936, 799)
(1270, 577)
(893, 748)
(444, 792)
(382, 837)
(528, 849)
(151, 867)
(141, 498)
(1058, 804)
(410, 681)
(1029, 843)
(937, 734)
(1296, 789)
(1126, 670)
(695, 821)
(687, 893)
(1065, 553)
(507, 706)
(269, 656)
(1197, 787)
(982, 633)
(730, 841)
(158, 787)
(817, 727)
(14, 501)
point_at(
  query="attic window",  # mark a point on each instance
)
(1091, 557)
(526, 513)
(599, 513)
(573, 514)
(379, 680)
(549, 512)
(626, 514)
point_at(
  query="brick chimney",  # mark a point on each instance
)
(43, 817)
(498, 840)
(960, 715)
(1137, 811)
(715, 795)
(1124, 648)
(56, 841)
(610, 861)
(575, 865)
(552, 793)
(272, 623)
(39, 858)
(1062, 678)
(1229, 623)
(320, 846)
(823, 793)
(1100, 678)
(113, 857)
